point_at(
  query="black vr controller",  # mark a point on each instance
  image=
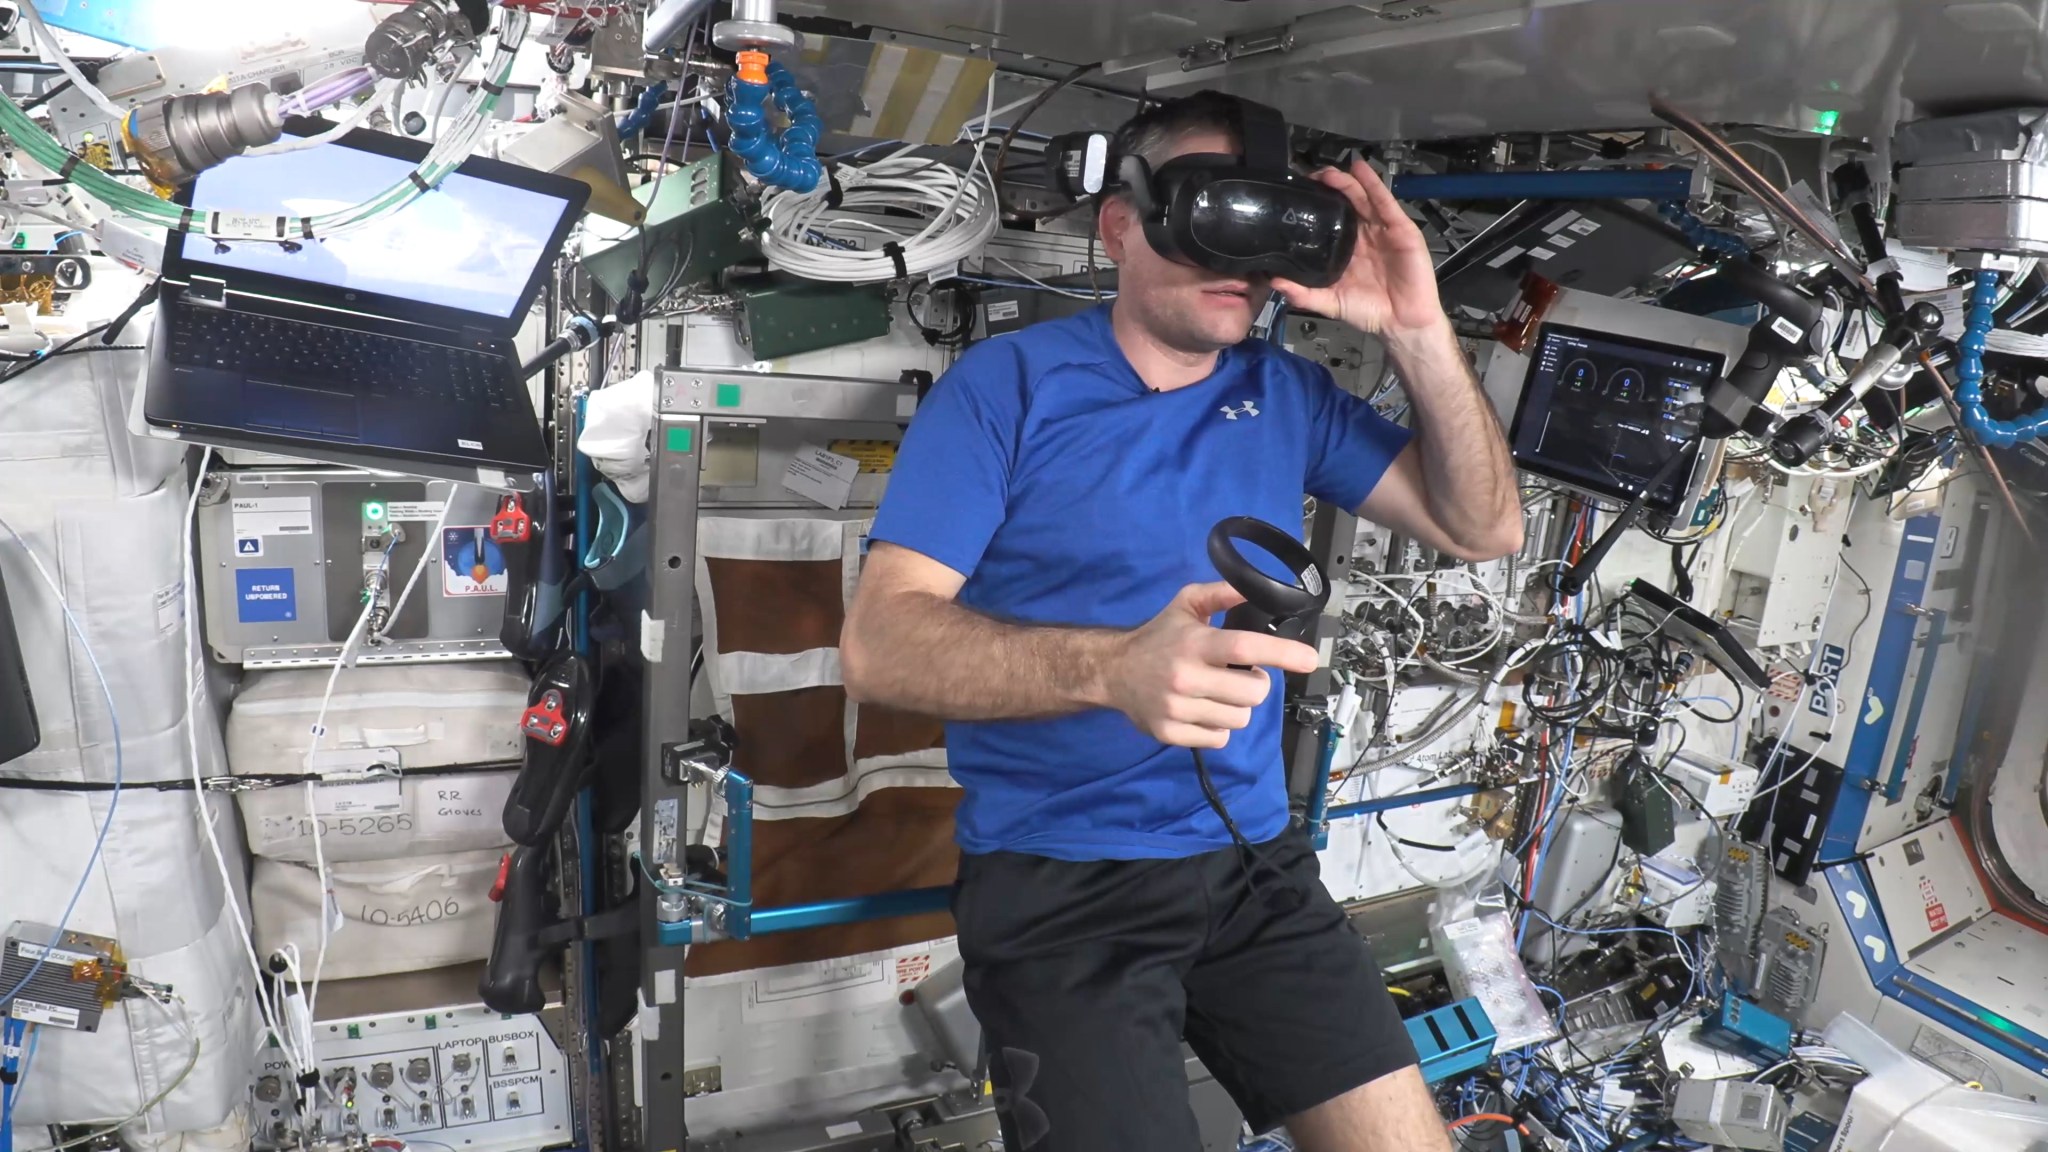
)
(1274, 607)
(1271, 606)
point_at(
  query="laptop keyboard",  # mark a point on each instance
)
(366, 363)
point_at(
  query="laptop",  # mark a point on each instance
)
(387, 347)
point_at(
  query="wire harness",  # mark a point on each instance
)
(448, 154)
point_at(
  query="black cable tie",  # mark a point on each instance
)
(306, 227)
(895, 252)
(281, 222)
(493, 89)
(9, 1076)
(422, 185)
(835, 196)
(71, 161)
(185, 220)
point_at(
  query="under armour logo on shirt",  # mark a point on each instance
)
(1245, 409)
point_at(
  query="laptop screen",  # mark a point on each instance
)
(471, 244)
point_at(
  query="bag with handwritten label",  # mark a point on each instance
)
(418, 758)
(388, 916)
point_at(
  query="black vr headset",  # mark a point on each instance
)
(1246, 215)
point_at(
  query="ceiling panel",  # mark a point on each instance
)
(1078, 31)
(1466, 67)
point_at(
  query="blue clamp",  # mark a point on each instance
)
(1702, 236)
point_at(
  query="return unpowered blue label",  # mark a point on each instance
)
(265, 596)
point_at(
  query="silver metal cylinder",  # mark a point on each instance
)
(177, 138)
(400, 46)
(753, 26)
(670, 908)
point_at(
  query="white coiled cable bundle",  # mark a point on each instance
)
(960, 207)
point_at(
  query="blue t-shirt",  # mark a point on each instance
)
(1044, 471)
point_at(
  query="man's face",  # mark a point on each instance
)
(1186, 308)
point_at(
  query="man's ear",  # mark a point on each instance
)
(1114, 220)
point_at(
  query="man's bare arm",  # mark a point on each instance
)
(908, 644)
(1454, 488)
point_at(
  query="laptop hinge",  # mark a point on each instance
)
(209, 291)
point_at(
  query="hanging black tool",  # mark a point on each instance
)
(528, 931)
(555, 740)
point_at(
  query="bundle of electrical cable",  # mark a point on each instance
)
(137, 204)
(1576, 668)
(958, 205)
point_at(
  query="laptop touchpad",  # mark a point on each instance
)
(306, 410)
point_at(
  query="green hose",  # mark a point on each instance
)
(139, 205)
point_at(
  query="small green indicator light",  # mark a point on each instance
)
(1826, 121)
(355, 1031)
(679, 439)
(432, 1023)
(373, 511)
(728, 395)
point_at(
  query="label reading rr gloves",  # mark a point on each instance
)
(461, 804)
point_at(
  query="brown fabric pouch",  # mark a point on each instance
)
(898, 838)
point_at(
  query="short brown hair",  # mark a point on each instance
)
(1151, 132)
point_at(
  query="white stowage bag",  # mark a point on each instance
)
(104, 512)
(156, 892)
(396, 915)
(64, 427)
(422, 718)
(155, 888)
(119, 565)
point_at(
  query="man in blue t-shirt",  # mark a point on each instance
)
(1038, 577)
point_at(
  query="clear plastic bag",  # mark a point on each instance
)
(1480, 961)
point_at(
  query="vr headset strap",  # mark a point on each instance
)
(1263, 133)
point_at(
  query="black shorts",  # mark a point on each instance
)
(1086, 976)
